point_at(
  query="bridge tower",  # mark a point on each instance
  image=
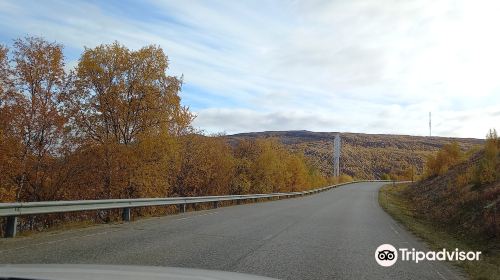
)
(336, 155)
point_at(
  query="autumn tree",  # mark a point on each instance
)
(206, 166)
(32, 108)
(265, 165)
(486, 171)
(268, 171)
(124, 103)
(7, 144)
(448, 156)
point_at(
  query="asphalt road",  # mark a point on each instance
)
(330, 235)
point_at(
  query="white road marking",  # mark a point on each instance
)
(441, 275)
(206, 214)
(268, 237)
(393, 229)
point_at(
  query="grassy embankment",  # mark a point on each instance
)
(394, 202)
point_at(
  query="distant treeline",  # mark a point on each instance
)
(114, 127)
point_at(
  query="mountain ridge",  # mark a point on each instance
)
(363, 155)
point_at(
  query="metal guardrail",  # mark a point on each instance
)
(12, 210)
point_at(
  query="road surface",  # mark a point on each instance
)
(330, 235)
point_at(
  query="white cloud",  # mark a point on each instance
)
(236, 120)
(374, 66)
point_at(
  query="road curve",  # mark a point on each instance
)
(330, 235)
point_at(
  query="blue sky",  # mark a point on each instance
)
(374, 66)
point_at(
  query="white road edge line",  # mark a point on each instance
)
(441, 275)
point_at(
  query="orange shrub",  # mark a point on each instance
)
(448, 156)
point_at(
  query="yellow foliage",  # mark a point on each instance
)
(458, 198)
(7, 195)
(345, 178)
(486, 171)
(268, 166)
(206, 166)
(32, 121)
(448, 156)
(115, 128)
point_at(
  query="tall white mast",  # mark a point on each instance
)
(430, 127)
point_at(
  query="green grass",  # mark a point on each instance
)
(393, 201)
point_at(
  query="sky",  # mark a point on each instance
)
(371, 66)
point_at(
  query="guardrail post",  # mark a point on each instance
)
(182, 208)
(216, 204)
(126, 214)
(238, 201)
(11, 226)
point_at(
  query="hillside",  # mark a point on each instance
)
(455, 198)
(455, 205)
(367, 156)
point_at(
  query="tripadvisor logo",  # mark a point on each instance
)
(387, 255)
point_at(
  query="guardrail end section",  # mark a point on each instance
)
(11, 226)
